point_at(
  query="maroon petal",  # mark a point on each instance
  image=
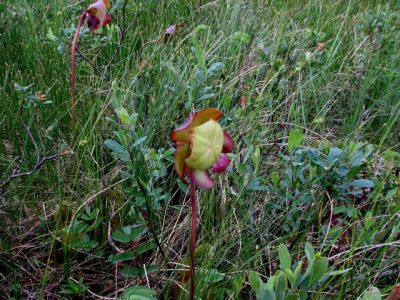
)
(221, 164)
(182, 132)
(93, 22)
(205, 115)
(107, 20)
(229, 144)
(201, 178)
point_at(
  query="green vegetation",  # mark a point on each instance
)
(309, 207)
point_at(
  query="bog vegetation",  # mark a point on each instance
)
(309, 206)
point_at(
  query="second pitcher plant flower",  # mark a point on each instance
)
(97, 17)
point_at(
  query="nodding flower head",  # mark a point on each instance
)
(97, 16)
(201, 144)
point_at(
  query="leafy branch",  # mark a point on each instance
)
(40, 158)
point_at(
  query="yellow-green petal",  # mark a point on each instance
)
(182, 151)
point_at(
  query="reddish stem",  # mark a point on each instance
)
(73, 66)
(193, 237)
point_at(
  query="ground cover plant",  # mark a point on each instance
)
(309, 206)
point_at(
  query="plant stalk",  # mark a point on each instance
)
(193, 237)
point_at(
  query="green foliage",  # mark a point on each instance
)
(294, 140)
(131, 255)
(80, 233)
(29, 100)
(200, 55)
(240, 37)
(139, 293)
(290, 282)
(73, 288)
(128, 233)
(284, 257)
(338, 172)
(372, 294)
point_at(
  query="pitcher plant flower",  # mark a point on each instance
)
(201, 145)
(97, 17)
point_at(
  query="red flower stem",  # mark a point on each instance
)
(193, 237)
(73, 67)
